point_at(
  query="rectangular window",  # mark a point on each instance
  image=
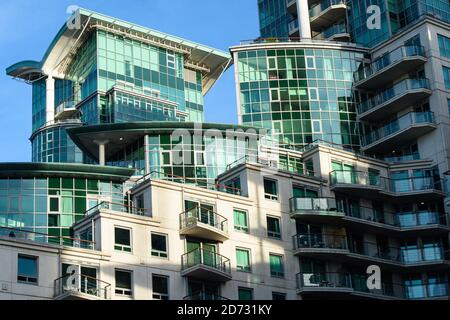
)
(243, 260)
(159, 245)
(27, 269)
(310, 63)
(245, 293)
(240, 221)
(446, 77)
(274, 227)
(444, 46)
(317, 126)
(276, 266)
(122, 239)
(171, 60)
(278, 296)
(270, 189)
(160, 287)
(123, 283)
(54, 204)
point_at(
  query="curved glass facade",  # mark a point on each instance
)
(274, 18)
(53, 144)
(303, 94)
(51, 205)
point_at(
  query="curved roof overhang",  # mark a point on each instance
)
(65, 170)
(27, 70)
(120, 135)
(211, 62)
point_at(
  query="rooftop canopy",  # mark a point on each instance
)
(210, 61)
(120, 135)
(29, 170)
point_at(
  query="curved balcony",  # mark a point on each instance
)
(202, 223)
(337, 32)
(205, 265)
(326, 13)
(205, 296)
(340, 284)
(340, 248)
(66, 110)
(390, 66)
(372, 186)
(316, 210)
(401, 131)
(394, 99)
(81, 287)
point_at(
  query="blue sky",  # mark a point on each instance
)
(27, 27)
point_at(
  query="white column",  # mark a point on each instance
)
(147, 154)
(303, 19)
(50, 99)
(101, 151)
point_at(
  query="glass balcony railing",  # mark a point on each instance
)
(422, 291)
(368, 179)
(78, 283)
(313, 204)
(293, 26)
(393, 92)
(335, 29)
(319, 241)
(205, 296)
(27, 235)
(118, 207)
(207, 258)
(201, 215)
(397, 125)
(324, 5)
(389, 59)
(323, 280)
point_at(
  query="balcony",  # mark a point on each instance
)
(339, 285)
(293, 28)
(371, 185)
(81, 287)
(337, 32)
(292, 5)
(205, 265)
(401, 131)
(394, 99)
(65, 110)
(205, 296)
(118, 207)
(326, 13)
(202, 223)
(316, 210)
(390, 66)
(320, 245)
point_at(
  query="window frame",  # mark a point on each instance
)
(158, 295)
(269, 196)
(250, 290)
(272, 234)
(239, 228)
(27, 278)
(244, 269)
(274, 274)
(157, 253)
(121, 247)
(124, 290)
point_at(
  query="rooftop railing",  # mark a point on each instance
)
(119, 207)
(207, 258)
(389, 59)
(78, 283)
(392, 92)
(399, 124)
(195, 215)
(20, 234)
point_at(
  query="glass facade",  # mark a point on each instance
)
(38, 104)
(54, 145)
(304, 95)
(274, 18)
(52, 205)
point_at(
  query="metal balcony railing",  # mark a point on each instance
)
(78, 283)
(207, 258)
(194, 216)
(205, 296)
(397, 125)
(389, 59)
(119, 207)
(20, 234)
(393, 92)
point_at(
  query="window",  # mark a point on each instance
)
(140, 202)
(245, 293)
(54, 204)
(276, 266)
(240, 221)
(160, 287)
(313, 94)
(123, 283)
(243, 260)
(444, 46)
(317, 126)
(27, 269)
(171, 60)
(159, 245)
(273, 228)
(278, 296)
(270, 189)
(122, 240)
(310, 63)
(446, 77)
